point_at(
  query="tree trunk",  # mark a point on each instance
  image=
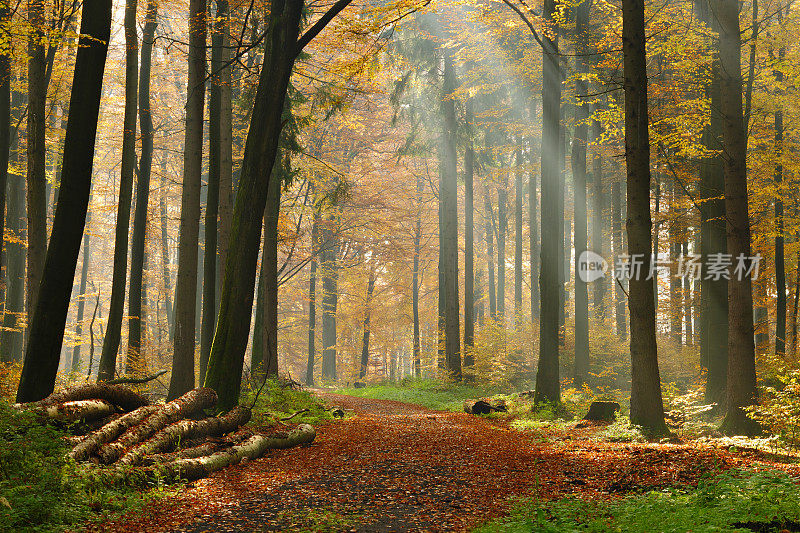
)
(502, 233)
(5, 120)
(138, 262)
(616, 230)
(518, 238)
(109, 432)
(182, 379)
(36, 140)
(533, 230)
(598, 220)
(49, 318)
(489, 223)
(581, 373)
(676, 234)
(108, 357)
(312, 301)
(741, 390)
(76, 350)
(415, 281)
(687, 301)
(448, 242)
(165, 250)
(123, 397)
(222, 24)
(230, 340)
(547, 377)
(647, 409)
(330, 295)
(780, 260)
(469, 243)
(367, 311)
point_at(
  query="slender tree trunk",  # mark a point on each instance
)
(793, 323)
(312, 301)
(741, 390)
(230, 340)
(36, 179)
(330, 296)
(76, 350)
(502, 233)
(415, 281)
(533, 229)
(449, 238)
(270, 255)
(616, 230)
(165, 249)
(138, 261)
(367, 311)
(222, 26)
(48, 321)
(518, 238)
(469, 244)
(5, 119)
(182, 379)
(547, 377)
(647, 409)
(11, 337)
(108, 357)
(579, 145)
(598, 220)
(489, 225)
(780, 260)
(676, 236)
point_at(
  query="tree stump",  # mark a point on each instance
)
(484, 406)
(602, 411)
(359, 385)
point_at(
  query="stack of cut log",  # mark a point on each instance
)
(116, 426)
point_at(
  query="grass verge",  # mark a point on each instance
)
(433, 394)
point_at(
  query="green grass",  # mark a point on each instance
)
(432, 394)
(719, 503)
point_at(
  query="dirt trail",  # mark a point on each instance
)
(400, 467)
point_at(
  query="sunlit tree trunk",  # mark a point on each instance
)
(533, 227)
(5, 119)
(687, 300)
(647, 409)
(618, 245)
(598, 220)
(489, 225)
(36, 190)
(547, 377)
(49, 319)
(469, 244)
(502, 233)
(415, 281)
(182, 379)
(518, 238)
(741, 389)
(76, 350)
(138, 262)
(449, 237)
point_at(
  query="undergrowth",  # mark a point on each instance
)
(279, 399)
(42, 490)
(734, 500)
(433, 394)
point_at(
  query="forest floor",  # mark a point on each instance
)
(391, 466)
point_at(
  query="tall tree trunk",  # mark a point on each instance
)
(182, 379)
(449, 238)
(502, 233)
(222, 26)
(518, 238)
(76, 350)
(230, 340)
(647, 409)
(796, 301)
(367, 311)
(713, 240)
(533, 228)
(741, 390)
(138, 261)
(37, 178)
(469, 244)
(330, 295)
(616, 230)
(598, 220)
(780, 260)
(108, 357)
(162, 201)
(547, 377)
(48, 321)
(687, 299)
(579, 144)
(489, 225)
(312, 301)
(676, 235)
(415, 281)
(5, 119)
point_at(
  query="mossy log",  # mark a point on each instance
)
(123, 397)
(169, 437)
(193, 401)
(78, 410)
(109, 432)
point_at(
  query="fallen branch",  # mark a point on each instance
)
(135, 381)
(295, 414)
(191, 402)
(207, 448)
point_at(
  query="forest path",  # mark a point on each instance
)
(391, 466)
